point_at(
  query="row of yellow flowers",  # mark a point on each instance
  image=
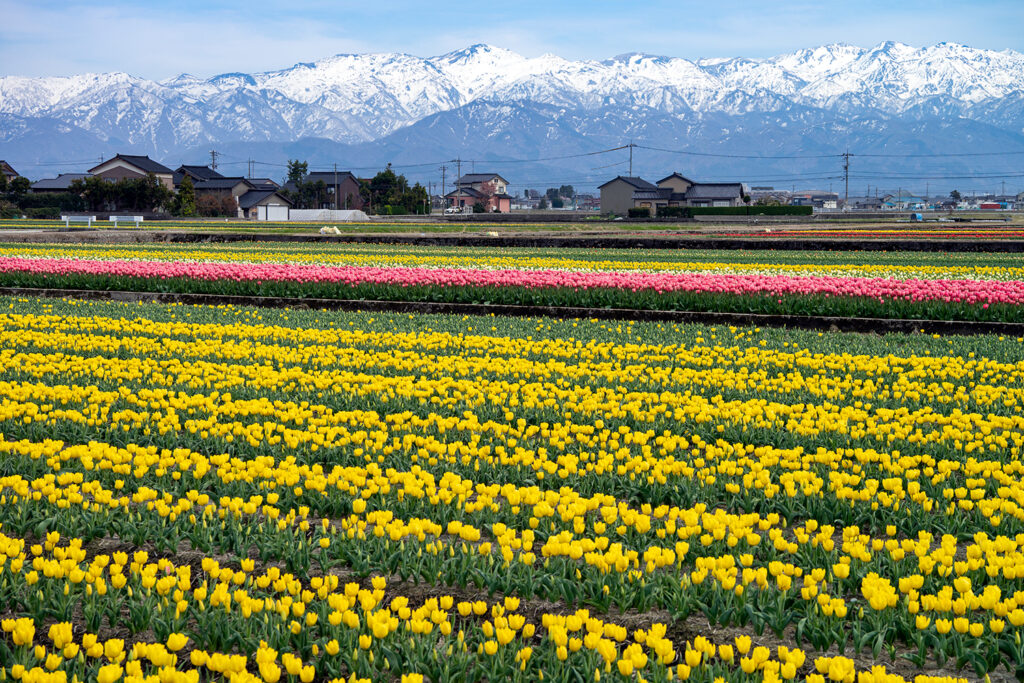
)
(913, 267)
(600, 472)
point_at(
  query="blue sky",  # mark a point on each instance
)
(158, 40)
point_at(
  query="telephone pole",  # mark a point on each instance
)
(213, 159)
(846, 177)
(444, 171)
(630, 158)
(458, 188)
(335, 186)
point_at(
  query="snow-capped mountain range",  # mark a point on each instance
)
(379, 107)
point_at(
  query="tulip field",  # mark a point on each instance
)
(937, 286)
(223, 493)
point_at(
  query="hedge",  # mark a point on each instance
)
(43, 212)
(640, 212)
(750, 210)
(672, 212)
(64, 201)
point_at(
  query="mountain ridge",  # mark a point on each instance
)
(365, 99)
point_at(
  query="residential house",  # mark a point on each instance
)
(133, 166)
(62, 183)
(588, 202)
(489, 189)
(526, 202)
(197, 173)
(676, 190)
(342, 189)
(902, 202)
(716, 194)
(264, 184)
(617, 193)
(264, 205)
(863, 204)
(828, 201)
(8, 171)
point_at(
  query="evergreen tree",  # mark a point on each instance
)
(185, 204)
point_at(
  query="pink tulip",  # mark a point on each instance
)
(962, 291)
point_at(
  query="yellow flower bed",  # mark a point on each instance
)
(193, 494)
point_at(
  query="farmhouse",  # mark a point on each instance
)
(133, 166)
(617, 194)
(489, 189)
(675, 190)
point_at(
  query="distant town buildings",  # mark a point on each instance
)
(217, 194)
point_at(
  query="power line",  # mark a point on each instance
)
(738, 156)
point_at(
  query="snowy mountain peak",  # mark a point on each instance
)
(355, 98)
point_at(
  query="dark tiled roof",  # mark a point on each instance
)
(675, 175)
(201, 172)
(254, 197)
(263, 181)
(656, 193)
(328, 176)
(5, 165)
(471, 178)
(61, 182)
(143, 163)
(638, 183)
(221, 183)
(715, 191)
(465, 192)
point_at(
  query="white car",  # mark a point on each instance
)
(453, 210)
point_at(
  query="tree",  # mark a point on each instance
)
(297, 171)
(479, 207)
(389, 193)
(185, 202)
(209, 206)
(229, 206)
(551, 193)
(955, 195)
(567, 191)
(543, 203)
(18, 188)
(557, 203)
(96, 191)
(488, 190)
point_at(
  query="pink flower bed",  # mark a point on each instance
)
(965, 291)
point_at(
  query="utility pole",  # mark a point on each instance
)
(213, 159)
(444, 170)
(846, 176)
(335, 186)
(458, 188)
(630, 158)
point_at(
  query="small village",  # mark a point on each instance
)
(215, 195)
